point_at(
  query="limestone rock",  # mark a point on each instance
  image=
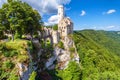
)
(55, 36)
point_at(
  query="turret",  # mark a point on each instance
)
(60, 12)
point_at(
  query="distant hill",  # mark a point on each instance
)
(99, 52)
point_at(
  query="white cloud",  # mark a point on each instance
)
(111, 11)
(83, 13)
(110, 27)
(46, 6)
(43, 6)
(52, 20)
(63, 1)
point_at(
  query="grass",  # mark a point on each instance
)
(17, 44)
(12, 53)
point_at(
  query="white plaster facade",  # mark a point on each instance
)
(61, 13)
(65, 25)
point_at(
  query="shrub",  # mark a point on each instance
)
(22, 58)
(8, 65)
(61, 45)
(33, 75)
(55, 27)
(13, 75)
(17, 35)
(72, 72)
(30, 46)
(6, 54)
(13, 53)
(72, 49)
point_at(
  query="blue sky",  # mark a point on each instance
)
(99, 14)
(86, 14)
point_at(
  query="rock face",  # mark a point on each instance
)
(63, 56)
(60, 56)
(24, 71)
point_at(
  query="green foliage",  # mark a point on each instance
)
(10, 54)
(72, 49)
(8, 65)
(33, 75)
(55, 27)
(73, 72)
(30, 46)
(99, 55)
(13, 76)
(18, 35)
(60, 45)
(19, 18)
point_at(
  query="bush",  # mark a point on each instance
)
(55, 27)
(18, 36)
(10, 53)
(72, 49)
(33, 75)
(22, 58)
(13, 53)
(72, 72)
(13, 76)
(61, 45)
(6, 54)
(30, 46)
(8, 65)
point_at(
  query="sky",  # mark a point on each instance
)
(85, 14)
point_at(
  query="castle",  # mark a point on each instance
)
(65, 26)
(63, 56)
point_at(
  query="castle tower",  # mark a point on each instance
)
(60, 12)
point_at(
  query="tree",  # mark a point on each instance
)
(20, 18)
(3, 23)
(55, 27)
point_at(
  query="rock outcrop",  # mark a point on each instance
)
(63, 56)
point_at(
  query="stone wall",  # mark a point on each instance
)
(55, 36)
(65, 27)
